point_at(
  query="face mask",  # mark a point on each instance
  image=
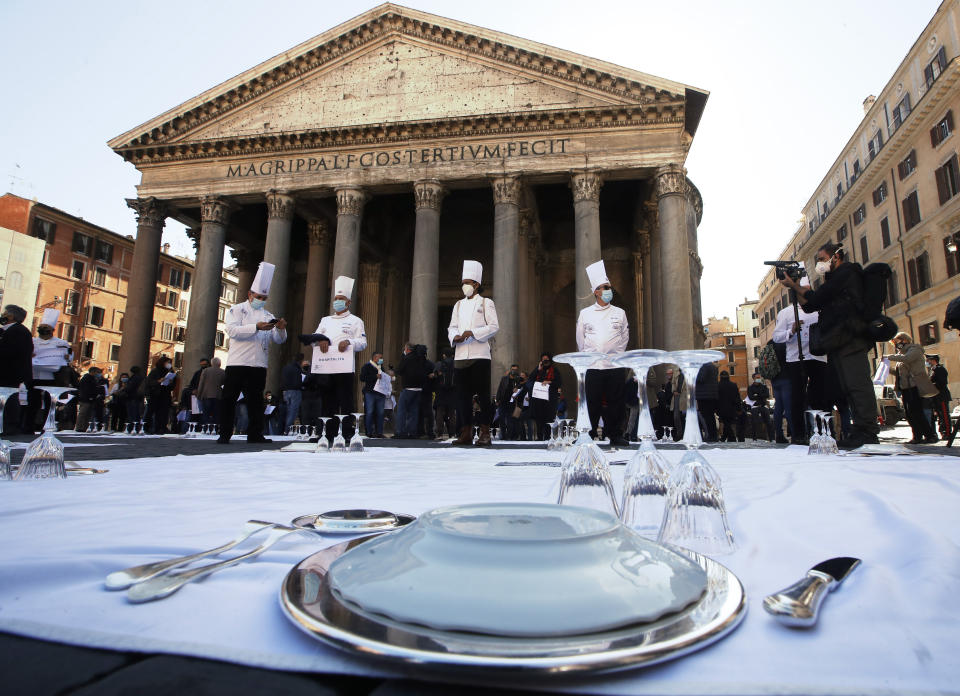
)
(823, 267)
(339, 305)
(124, 379)
(3, 321)
(757, 381)
(305, 369)
(258, 304)
(167, 366)
(467, 289)
(606, 296)
(379, 361)
(929, 365)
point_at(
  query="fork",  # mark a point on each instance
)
(165, 585)
(122, 579)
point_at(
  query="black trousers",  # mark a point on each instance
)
(250, 381)
(707, 408)
(340, 399)
(606, 392)
(808, 389)
(473, 380)
(941, 411)
(913, 405)
(855, 381)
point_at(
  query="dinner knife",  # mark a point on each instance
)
(799, 604)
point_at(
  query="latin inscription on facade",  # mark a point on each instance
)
(405, 157)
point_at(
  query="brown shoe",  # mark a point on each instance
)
(466, 437)
(484, 440)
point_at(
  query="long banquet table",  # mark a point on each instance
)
(892, 627)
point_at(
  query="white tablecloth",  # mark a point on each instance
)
(892, 627)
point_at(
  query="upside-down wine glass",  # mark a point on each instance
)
(828, 445)
(323, 444)
(552, 442)
(356, 442)
(5, 472)
(585, 474)
(695, 516)
(813, 446)
(339, 443)
(646, 481)
(44, 456)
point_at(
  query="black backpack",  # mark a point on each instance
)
(880, 327)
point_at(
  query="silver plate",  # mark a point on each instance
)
(352, 522)
(306, 599)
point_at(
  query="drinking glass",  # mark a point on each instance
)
(570, 437)
(827, 444)
(552, 442)
(339, 444)
(585, 474)
(647, 476)
(356, 442)
(695, 516)
(140, 430)
(323, 444)
(813, 446)
(5, 474)
(44, 456)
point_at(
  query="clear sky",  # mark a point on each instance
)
(787, 82)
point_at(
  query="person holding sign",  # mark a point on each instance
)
(472, 324)
(340, 336)
(251, 328)
(544, 389)
(602, 328)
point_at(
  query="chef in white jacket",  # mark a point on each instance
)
(472, 324)
(251, 329)
(603, 328)
(346, 336)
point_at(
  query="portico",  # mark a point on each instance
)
(395, 145)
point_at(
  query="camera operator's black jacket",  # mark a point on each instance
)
(413, 370)
(839, 300)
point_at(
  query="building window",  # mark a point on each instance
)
(919, 271)
(114, 352)
(860, 214)
(221, 313)
(159, 270)
(186, 280)
(901, 111)
(875, 143)
(864, 252)
(907, 165)
(166, 332)
(779, 305)
(178, 360)
(88, 350)
(911, 211)
(176, 277)
(173, 299)
(756, 332)
(730, 369)
(935, 67)
(117, 320)
(15, 281)
(756, 351)
(227, 292)
(78, 270)
(100, 277)
(948, 180)
(104, 252)
(730, 354)
(856, 169)
(942, 130)
(842, 232)
(220, 339)
(182, 314)
(951, 252)
(44, 229)
(839, 192)
(180, 334)
(72, 304)
(885, 232)
(929, 333)
(893, 292)
(95, 316)
(68, 332)
(880, 194)
(82, 244)
(153, 329)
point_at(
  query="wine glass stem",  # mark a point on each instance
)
(691, 433)
(3, 403)
(644, 422)
(51, 424)
(583, 415)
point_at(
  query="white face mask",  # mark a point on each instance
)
(822, 267)
(467, 289)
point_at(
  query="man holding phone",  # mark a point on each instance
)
(251, 328)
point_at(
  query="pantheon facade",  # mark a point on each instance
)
(395, 145)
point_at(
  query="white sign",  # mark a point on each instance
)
(541, 390)
(383, 385)
(332, 362)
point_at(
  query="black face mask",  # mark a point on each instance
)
(4, 321)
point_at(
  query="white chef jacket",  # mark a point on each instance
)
(248, 346)
(479, 315)
(49, 356)
(338, 327)
(783, 333)
(602, 329)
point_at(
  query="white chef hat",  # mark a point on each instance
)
(343, 286)
(263, 279)
(50, 317)
(597, 274)
(472, 270)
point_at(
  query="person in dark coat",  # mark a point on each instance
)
(759, 394)
(544, 410)
(87, 396)
(707, 395)
(729, 406)
(446, 403)
(134, 395)
(160, 395)
(413, 370)
(941, 402)
(16, 361)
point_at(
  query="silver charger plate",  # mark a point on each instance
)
(351, 522)
(306, 600)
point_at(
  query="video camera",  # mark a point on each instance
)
(793, 269)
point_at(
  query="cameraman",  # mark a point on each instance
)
(413, 371)
(842, 333)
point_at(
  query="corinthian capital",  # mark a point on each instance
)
(279, 205)
(428, 193)
(350, 201)
(506, 189)
(671, 179)
(318, 233)
(246, 259)
(149, 211)
(215, 209)
(695, 199)
(586, 186)
(370, 273)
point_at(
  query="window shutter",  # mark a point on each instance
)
(942, 191)
(928, 75)
(923, 270)
(901, 170)
(950, 258)
(935, 136)
(912, 272)
(942, 58)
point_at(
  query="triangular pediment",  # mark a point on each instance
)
(393, 65)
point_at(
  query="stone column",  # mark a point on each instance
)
(393, 332)
(694, 214)
(142, 293)
(526, 306)
(425, 279)
(205, 293)
(369, 293)
(247, 263)
(506, 237)
(316, 299)
(643, 282)
(276, 250)
(346, 255)
(677, 308)
(586, 206)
